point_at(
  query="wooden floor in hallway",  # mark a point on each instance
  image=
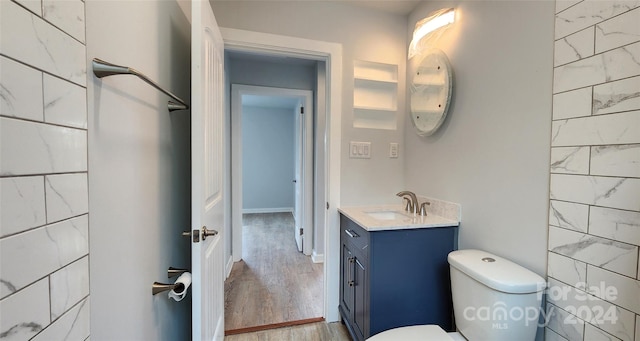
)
(274, 282)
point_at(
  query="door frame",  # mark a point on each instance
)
(306, 97)
(331, 54)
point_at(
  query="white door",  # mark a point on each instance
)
(207, 174)
(298, 181)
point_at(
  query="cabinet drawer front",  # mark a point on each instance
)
(353, 234)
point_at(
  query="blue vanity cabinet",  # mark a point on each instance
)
(394, 278)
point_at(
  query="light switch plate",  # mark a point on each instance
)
(360, 150)
(393, 150)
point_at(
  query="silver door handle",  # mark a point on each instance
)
(208, 233)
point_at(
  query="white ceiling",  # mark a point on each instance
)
(402, 7)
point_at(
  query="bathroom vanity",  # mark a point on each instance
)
(394, 270)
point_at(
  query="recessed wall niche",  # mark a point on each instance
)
(375, 95)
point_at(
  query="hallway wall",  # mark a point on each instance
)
(267, 159)
(44, 224)
(139, 157)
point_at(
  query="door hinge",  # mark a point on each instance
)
(327, 205)
(301, 231)
(302, 110)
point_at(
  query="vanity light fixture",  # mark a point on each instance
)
(424, 27)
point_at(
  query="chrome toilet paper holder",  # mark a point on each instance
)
(158, 287)
(172, 272)
(161, 287)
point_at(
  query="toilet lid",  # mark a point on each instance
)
(422, 332)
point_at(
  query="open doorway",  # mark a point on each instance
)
(328, 143)
(272, 157)
(273, 281)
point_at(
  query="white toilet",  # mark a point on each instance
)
(493, 299)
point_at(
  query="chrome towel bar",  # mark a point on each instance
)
(103, 69)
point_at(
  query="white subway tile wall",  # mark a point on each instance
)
(73, 325)
(66, 15)
(18, 96)
(23, 204)
(68, 286)
(36, 42)
(44, 224)
(621, 160)
(566, 269)
(592, 333)
(60, 99)
(571, 160)
(550, 335)
(25, 314)
(66, 196)
(594, 208)
(616, 96)
(569, 215)
(574, 47)
(575, 103)
(556, 321)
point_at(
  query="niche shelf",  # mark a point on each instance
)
(375, 95)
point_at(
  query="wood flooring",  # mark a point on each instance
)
(320, 331)
(274, 282)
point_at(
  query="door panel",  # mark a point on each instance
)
(207, 162)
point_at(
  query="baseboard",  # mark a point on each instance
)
(267, 210)
(317, 257)
(228, 267)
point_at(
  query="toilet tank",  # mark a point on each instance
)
(494, 298)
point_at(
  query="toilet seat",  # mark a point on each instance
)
(430, 332)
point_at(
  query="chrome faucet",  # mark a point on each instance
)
(412, 206)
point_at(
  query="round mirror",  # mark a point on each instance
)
(431, 92)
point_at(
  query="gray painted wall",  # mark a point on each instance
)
(139, 155)
(365, 35)
(267, 158)
(491, 155)
(275, 74)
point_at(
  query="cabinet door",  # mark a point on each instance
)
(347, 264)
(360, 297)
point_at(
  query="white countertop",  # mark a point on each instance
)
(398, 218)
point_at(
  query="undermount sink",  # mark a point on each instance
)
(386, 215)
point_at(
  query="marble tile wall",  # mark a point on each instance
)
(594, 206)
(44, 218)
